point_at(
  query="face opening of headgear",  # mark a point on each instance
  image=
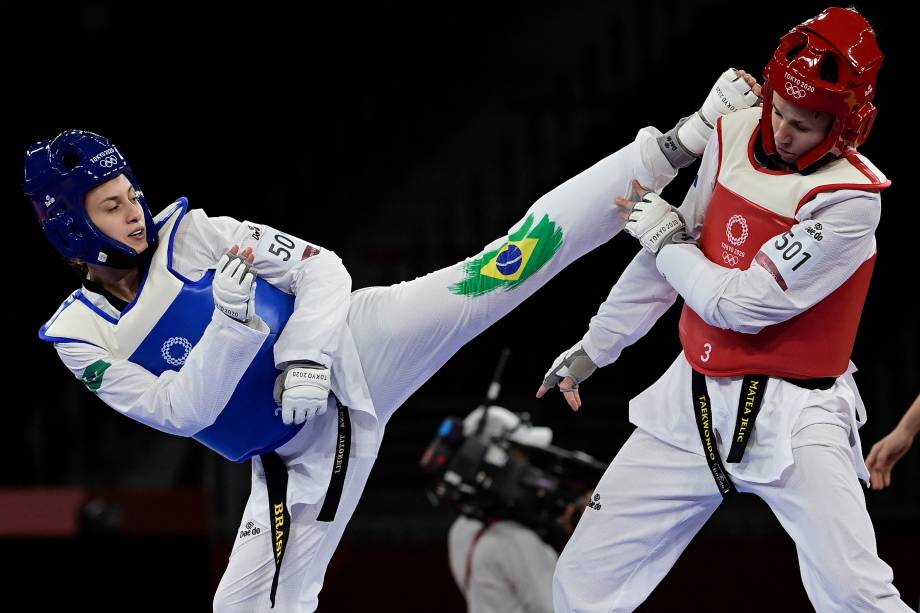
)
(58, 174)
(829, 63)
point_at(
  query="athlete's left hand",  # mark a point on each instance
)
(302, 391)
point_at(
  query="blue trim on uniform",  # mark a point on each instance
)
(42, 332)
(182, 209)
(60, 309)
(67, 339)
(180, 203)
(82, 298)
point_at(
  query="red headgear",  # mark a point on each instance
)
(829, 63)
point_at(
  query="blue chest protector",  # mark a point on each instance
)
(248, 425)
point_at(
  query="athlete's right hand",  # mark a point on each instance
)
(234, 285)
(568, 371)
(734, 90)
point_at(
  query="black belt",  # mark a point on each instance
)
(753, 388)
(339, 467)
(821, 383)
(276, 481)
(702, 410)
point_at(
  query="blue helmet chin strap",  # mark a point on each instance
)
(58, 175)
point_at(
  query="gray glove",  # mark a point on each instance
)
(678, 154)
(573, 363)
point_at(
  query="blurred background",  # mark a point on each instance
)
(404, 139)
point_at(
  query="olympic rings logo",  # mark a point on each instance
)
(730, 259)
(794, 90)
(108, 161)
(729, 230)
(167, 354)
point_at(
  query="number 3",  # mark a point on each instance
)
(708, 348)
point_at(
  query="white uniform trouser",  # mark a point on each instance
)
(655, 497)
(404, 333)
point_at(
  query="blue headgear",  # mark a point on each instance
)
(58, 175)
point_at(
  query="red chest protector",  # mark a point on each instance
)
(750, 205)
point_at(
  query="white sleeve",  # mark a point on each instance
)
(179, 402)
(642, 295)
(315, 276)
(637, 300)
(322, 291)
(321, 287)
(203, 240)
(792, 271)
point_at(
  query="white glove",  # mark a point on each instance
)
(234, 287)
(302, 390)
(573, 363)
(730, 93)
(655, 223)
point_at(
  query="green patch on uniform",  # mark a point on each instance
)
(524, 253)
(92, 376)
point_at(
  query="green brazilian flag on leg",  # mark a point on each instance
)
(524, 253)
